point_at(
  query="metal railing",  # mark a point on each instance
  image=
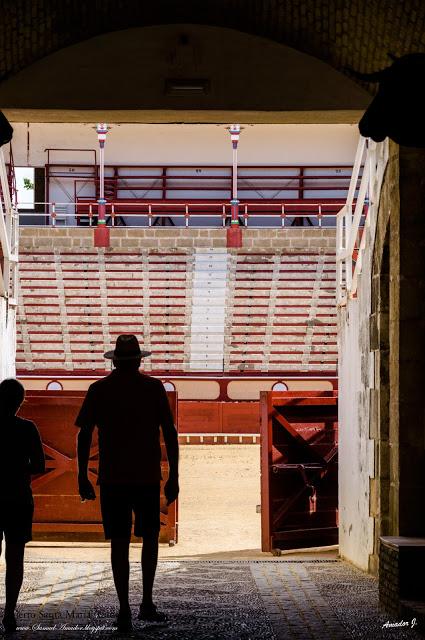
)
(135, 214)
(9, 238)
(371, 160)
(167, 182)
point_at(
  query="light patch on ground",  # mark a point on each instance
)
(219, 491)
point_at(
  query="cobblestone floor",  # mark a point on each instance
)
(353, 594)
(220, 600)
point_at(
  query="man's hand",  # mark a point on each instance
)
(171, 490)
(85, 488)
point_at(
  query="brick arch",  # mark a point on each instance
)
(138, 70)
(358, 34)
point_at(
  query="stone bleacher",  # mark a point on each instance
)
(282, 314)
(278, 316)
(73, 305)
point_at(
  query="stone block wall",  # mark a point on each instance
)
(361, 457)
(384, 324)
(173, 239)
(401, 569)
(389, 584)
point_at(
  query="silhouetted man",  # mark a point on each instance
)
(21, 454)
(128, 408)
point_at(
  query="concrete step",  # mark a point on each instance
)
(206, 338)
(204, 299)
(205, 366)
(206, 350)
(199, 293)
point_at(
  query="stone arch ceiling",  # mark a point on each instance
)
(354, 33)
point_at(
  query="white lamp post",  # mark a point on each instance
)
(101, 232)
(234, 232)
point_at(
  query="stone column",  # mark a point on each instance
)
(412, 343)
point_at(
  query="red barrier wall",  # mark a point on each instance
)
(59, 513)
(219, 417)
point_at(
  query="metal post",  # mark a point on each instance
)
(101, 232)
(234, 232)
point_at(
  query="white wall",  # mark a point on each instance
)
(355, 452)
(185, 144)
(7, 341)
(356, 378)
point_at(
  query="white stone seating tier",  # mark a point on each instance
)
(283, 314)
(74, 305)
(203, 310)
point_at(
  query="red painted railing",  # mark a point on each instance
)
(87, 208)
(150, 195)
(205, 182)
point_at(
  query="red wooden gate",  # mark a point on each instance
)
(299, 469)
(59, 512)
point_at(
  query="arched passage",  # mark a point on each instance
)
(353, 35)
(177, 69)
(335, 32)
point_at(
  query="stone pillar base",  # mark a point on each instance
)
(401, 572)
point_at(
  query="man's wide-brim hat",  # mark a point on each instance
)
(127, 348)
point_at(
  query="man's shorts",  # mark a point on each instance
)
(119, 502)
(16, 519)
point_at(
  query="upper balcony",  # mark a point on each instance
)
(191, 195)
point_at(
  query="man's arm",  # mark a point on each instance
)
(171, 440)
(37, 460)
(85, 487)
(86, 421)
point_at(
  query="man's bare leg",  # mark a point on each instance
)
(149, 564)
(148, 610)
(14, 557)
(121, 572)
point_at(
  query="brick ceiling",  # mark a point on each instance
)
(354, 33)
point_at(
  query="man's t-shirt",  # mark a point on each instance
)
(128, 409)
(21, 454)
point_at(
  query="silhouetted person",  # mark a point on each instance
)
(128, 408)
(21, 454)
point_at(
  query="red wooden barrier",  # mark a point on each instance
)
(199, 417)
(59, 513)
(240, 417)
(219, 417)
(299, 472)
